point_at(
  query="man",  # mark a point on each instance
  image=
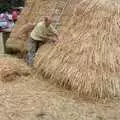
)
(42, 33)
(14, 16)
(6, 16)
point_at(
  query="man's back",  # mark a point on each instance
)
(42, 31)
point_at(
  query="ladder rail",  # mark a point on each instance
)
(55, 15)
(61, 12)
(63, 8)
(54, 8)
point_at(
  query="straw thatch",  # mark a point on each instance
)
(87, 60)
(33, 12)
(10, 69)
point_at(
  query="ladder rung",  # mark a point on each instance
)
(61, 2)
(59, 7)
(56, 16)
(55, 21)
(57, 12)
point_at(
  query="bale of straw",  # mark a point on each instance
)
(11, 69)
(88, 59)
(17, 43)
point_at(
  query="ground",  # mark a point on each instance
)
(29, 98)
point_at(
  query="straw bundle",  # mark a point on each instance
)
(10, 69)
(32, 13)
(18, 44)
(87, 60)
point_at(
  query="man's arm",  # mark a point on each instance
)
(57, 36)
(46, 39)
(55, 32)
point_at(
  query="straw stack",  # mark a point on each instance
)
(32, 13)
(87, 60)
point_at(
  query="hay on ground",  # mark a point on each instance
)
(88, 59)
(10, 69)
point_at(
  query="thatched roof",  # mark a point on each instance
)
(87, 60)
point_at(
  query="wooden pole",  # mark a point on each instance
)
(2, 49)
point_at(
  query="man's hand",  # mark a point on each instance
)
(57, 36)
(53, 40)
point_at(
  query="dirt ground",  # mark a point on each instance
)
(29, 98)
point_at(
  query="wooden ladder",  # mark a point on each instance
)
(58, 12)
